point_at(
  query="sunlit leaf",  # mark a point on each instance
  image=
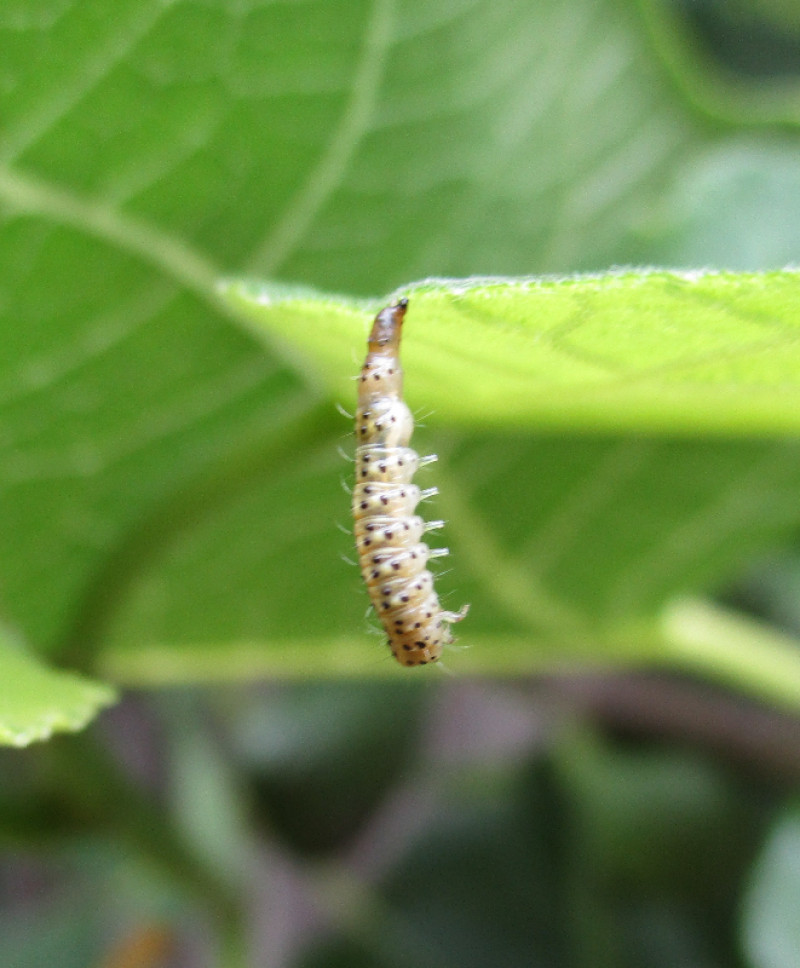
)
(36, 702)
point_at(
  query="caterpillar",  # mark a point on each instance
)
(391, 553)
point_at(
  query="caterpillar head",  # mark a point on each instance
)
(384, 339)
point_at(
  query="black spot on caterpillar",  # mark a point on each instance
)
(391, 553)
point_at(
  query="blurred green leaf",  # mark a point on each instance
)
(771, 928)
(736, 206)
(36, 702)
(781, 13)
(728, 60)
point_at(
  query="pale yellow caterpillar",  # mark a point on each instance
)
(391, 553)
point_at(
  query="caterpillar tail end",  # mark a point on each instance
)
(456, 616)
(449, 618)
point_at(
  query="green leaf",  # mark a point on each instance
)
(715, 212)
(569, 547)
(771, 931)
(169, 470)
(634, 351)
(36, 702)
(712, 84)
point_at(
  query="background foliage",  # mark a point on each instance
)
(170, 480)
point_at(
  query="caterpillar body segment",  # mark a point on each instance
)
(388, 532)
